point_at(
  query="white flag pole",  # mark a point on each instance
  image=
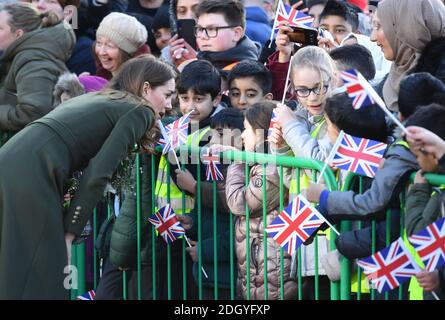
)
(287, 80)
(331, 155)
(202, 268)
(379, 101)
(319, 214)
(274, 25)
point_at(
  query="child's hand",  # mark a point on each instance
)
(193, 250)
(327, 44)
(284, 46)
(285, 115)
(276, 139)
(313, 192)
(185, 181)
(180, 50)
(419, 177)
(429, 281)
(185, 220)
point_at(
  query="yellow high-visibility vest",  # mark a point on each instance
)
(175, 193)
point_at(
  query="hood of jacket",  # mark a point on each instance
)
(55, 42)
(257, 14)
(245, 49)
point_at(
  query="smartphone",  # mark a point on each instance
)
(303, 35)
(186, 31)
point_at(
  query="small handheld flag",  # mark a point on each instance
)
(430, 245)
(167, 224)
(358, 155)
(213, 173)
(87, 295)
(390, 267)
(273, 121)
(295, 224)
(356, 90)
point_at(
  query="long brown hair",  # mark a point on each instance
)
(259, 116)
(25, 17)
(128, 84)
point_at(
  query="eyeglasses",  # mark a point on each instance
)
(211, 32)
(304, 93)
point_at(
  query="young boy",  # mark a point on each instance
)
(342, 22)
(220, 33)
(249, 82)
(354, 56)
(424, 204)
(226, 126)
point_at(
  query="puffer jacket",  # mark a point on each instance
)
(237, 196)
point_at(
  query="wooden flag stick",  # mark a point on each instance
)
(202, 268)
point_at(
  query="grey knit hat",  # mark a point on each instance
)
(125, 31)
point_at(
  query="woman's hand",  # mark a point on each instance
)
(426, 140)
(185, 180)
(284, 114)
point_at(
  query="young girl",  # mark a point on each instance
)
(304, 133)
(256, 123)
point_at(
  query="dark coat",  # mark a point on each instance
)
(432, 59)
(32, 65)
(91, 133)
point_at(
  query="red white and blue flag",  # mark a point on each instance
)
(295, 224)
(273, 121)
(175, 134)
(353, 81)
(167, 224)
(430, 245)
(390, 267)
(359, 155)
(213, 173)
(290, 16)
(87, 296)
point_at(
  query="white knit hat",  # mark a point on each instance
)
(125, 31)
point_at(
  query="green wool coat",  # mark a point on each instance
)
(91, 133)
(29, 71)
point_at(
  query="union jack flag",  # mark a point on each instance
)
(213, 173)
(291, 16)
(390, 267)
(430, 245)
(87, 296)
(167, 224)
(175, 134)
(359, 155)
(295, 224)
(354, 86)
(273, 121)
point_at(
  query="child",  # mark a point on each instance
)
(424, 204)
(342, 22)
(249, 82)
(354, 56)
(220, 33)
(230, 122)
(161, 27)
(256, 123)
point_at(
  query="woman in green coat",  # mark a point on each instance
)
(35, 49)
(91, 133)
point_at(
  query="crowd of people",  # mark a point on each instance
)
(84, 85)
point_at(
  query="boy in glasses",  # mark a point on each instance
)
(220, 33)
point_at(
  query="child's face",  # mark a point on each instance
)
(244, 92)
(333, 131)
(337, 26)
(250, 137)
(162, 36)
(219, 39)
(185, 9)
(227, 137)
(426, 161)
(201, 105)
(305, 79)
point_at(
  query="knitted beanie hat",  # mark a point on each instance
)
(124, 31)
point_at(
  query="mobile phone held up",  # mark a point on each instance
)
(303, 35)
(186, 31)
